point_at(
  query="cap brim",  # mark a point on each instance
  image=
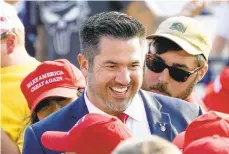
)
(56, 92)
(184, 44)
(56, 141)
(179, 140)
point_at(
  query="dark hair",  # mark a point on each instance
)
(34, 119)
(114, 24)
(162, 45)
(46, 102)
(41, 105)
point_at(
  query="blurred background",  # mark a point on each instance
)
(52, 26)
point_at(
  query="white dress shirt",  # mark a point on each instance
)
(137, 121)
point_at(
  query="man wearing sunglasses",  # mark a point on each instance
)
(177, 58)
(15, 65)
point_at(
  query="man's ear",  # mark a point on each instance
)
(83, 64)
(10, 43)
(203, 71)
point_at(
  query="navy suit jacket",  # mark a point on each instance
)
(162, 112)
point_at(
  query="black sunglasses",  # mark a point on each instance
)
(157, 65)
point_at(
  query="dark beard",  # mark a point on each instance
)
(160, 87)
(184, 95)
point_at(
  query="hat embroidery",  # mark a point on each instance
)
(178, 26)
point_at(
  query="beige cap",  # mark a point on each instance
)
(187, 32)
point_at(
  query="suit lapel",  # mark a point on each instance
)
(159, 122)
(79, 108)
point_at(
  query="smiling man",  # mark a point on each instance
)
(113, 50)
(177, 58)
(118, 76)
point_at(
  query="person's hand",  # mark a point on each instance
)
(192, 8)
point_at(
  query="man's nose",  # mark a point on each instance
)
(123, 76)
(164, 76)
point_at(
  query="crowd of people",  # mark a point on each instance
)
(128, 91)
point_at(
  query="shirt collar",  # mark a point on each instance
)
(135, 109)
(91, 107)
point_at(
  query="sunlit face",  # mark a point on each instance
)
(53, 105)
(7, 45)
(117, 74)
(164, 84)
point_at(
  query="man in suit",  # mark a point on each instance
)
(113, 50)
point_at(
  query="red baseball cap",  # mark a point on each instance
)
(94, 133)
(208, 124)
(217, 93)
(58, 78)
(179, 140)
(209, 145)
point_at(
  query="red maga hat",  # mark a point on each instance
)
(58, 78)
(208, 124)
(94, 133)
(209, 145)
(217, 93)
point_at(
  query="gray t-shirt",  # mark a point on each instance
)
(62, 20)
